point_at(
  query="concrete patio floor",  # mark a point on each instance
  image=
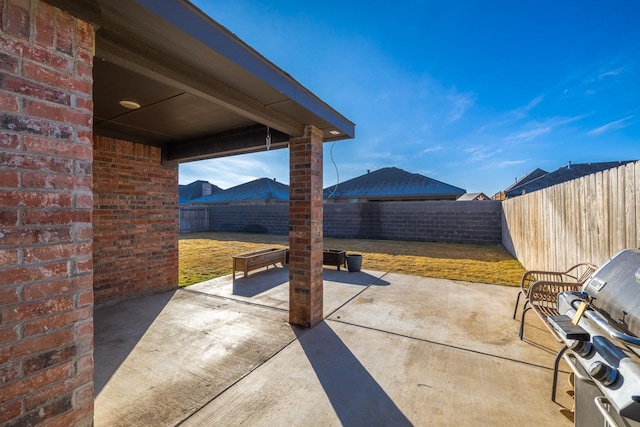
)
(393, 350)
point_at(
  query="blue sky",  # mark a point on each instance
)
(472, 93)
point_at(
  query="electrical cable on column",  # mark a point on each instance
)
(337, 172)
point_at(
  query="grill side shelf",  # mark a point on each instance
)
(567, 330)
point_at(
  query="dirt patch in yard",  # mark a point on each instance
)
(204, 256)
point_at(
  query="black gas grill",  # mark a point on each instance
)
(604, 345)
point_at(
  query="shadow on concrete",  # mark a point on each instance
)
(355, 395)
(538, 332)
(360, 278)
(113, 344)
(263, 281)
(260, 282)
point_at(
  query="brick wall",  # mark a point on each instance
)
(46, 299)
(432, 221)
(135, 221)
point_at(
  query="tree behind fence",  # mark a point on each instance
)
(587, 219)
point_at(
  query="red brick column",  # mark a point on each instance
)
(46, 297)
(305, 229)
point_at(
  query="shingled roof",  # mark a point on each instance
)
(393, 184)
(196, 189)
(563, 174)
(262, 190)
(537, 173)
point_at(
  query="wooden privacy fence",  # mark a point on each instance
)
(587, 219)
(193, 219)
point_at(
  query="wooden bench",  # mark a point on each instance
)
(542, 295)
(253, 260)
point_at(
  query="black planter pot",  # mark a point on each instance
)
(354, 262)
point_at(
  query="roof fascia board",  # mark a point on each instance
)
(188, 18)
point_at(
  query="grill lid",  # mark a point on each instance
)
(616, 288)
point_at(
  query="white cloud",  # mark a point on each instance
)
(523, 111)
(387, 157)
(510, 117)
(459, 103)
(530, 134)
(228, 172)
(595, 83)
(432, 149)
(535, 129)
(611, 126)
(507, 163)
(479, 153)
(610, 73)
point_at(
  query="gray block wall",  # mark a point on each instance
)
(432, 221)
(265, 219)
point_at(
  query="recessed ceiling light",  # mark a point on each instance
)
(334, 132)
(131, 105)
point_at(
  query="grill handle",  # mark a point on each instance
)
(600, 402)
(595, 317)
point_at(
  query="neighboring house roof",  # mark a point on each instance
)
(392, 184)
(537, 173)
(563, 174)
(473, 196)
(259, 190)
(195, 190)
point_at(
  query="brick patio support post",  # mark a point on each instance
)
(46, 262)
(305, 228)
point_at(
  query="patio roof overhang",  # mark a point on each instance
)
(203, 93)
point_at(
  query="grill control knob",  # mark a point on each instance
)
(604, 373)
(581, 348)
